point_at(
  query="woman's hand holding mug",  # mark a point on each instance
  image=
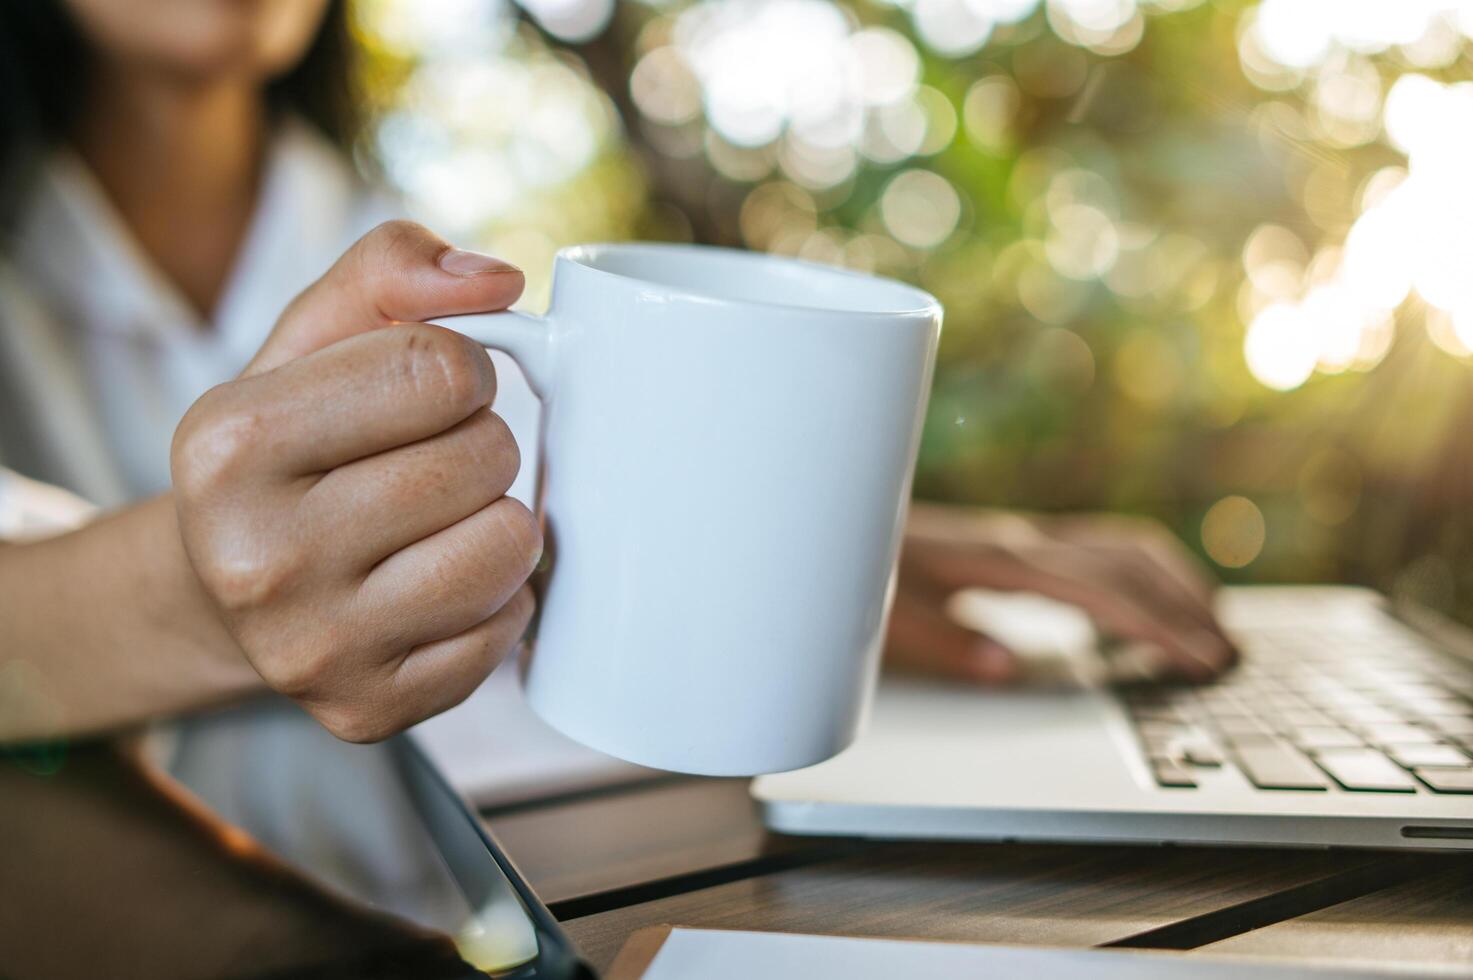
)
(728, 440)
(343, 500)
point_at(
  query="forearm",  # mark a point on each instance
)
(108, 626)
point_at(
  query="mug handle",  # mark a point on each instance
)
(524, 336)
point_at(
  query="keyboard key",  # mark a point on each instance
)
(1158, 747)
(1367, 714)
(1452, 725)
(1324, 737)
(1300, 710)
(1365, 770)
(1275, 765)
(1243, 726)
(1408, 693)
(1440, 707)
(1396, 735)
(1172, 775)
(1447, 780)
(1203, 754)
(1412, 756)
(1303, 717)
(1251, 738)
(1332, 699)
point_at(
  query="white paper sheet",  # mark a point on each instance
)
(714, 954)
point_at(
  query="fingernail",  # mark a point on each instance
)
(459, 262)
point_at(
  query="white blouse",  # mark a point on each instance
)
(100, 355)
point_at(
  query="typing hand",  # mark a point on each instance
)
(1133, 578)
(343, 500)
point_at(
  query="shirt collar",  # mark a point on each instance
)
(77, 252)
(311, 207)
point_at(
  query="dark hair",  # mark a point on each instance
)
(44, 67)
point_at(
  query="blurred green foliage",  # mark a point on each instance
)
(1097, 238)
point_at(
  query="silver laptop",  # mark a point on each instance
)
(1346, 724)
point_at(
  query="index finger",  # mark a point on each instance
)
(398, 272)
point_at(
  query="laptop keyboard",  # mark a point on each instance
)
(1317, 711)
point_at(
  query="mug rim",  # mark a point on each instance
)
(584, 255)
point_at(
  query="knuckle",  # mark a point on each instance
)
(239, 586)
(187, 432)
(296, 677)
(215, 445)
(391, 242)
(360, 724)
(244, 573)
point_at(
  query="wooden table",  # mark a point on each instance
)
(693, 852)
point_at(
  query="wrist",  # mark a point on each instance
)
(174, 601)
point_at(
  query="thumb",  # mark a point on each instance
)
(398, 272)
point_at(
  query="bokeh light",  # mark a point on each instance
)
(920, 208)
(952, 27)
(489, 132)
(1411, 234)
(1233, 532)
(1187, 249)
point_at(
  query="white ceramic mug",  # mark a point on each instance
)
(727, 445)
